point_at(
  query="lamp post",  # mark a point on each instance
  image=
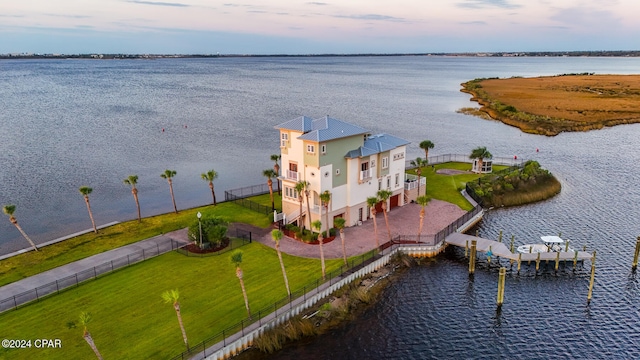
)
(200, 227)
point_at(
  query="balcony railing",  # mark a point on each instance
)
(411, 182)
(365, 175)
(292, 175)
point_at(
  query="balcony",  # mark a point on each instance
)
(293, 175)
(365, 175)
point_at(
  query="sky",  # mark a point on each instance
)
(316, 27)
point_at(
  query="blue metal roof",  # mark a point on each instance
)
(327, 128)
(302, 124)
(376, 144)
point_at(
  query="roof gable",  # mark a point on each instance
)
(302, 124)
(376, 144)
(327, 128)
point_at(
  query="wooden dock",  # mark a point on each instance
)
(501, 250)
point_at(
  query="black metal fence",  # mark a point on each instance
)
(239, 196)
(454, 226)
(233, 244)
(55, 287)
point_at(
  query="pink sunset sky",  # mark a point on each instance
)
(316, 27)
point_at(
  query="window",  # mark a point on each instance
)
(388, 182)
(373, 163)
(397, 180)
(323, 148)
(311, 149)
(360, 214)
(285, 137)
(385, 162)
(379, 184)
(398, 156)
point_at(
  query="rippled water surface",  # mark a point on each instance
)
(69, 123)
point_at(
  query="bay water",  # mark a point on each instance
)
(68, 123)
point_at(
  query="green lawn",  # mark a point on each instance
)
(130, 320)
(49, 257)
(448, 187)
(266, 200)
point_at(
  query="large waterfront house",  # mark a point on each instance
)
(344, 159)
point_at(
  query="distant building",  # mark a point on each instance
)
(344, 159)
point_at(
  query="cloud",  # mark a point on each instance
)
(480, 4)
(70, 16)
(473, 23)
(317, 3)
(585, 17)
(157, 3)
(370, 17)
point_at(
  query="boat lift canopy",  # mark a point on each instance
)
(552, 239)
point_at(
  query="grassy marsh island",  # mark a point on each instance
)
(550, 105)
(516, 186)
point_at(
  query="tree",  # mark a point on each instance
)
(325, 199)
(339, 223)
(275, 158)
(480, 153)
(85, 318)
(172, 296)
(209, 176)
(133, 181)
(372, 202)
(384, 195)
(269, 173)
(300, 185)
(236, 259)
(419, 163)
(422, 201)
(276, 235)
(9, 210)
(85, 191)
(214, 230)
(426, 145)
(168, 174)
(307, 192)
(318, 226)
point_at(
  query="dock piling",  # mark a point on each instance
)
(501, 279)
(593, 275)
(557, 260)
(472, 257)
(635, 256)
(500, 237)
(466, 249)
(538, 263)
(566, 247)
(575, 259)
(513, 237)
(519, 261)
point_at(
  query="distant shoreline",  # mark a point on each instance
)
(99, 56)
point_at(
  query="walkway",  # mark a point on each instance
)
(33, 287)
(360, 239)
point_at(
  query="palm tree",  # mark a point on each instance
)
(276, 168)
(300, 185)
(269, 173)
(9, 210)
(419, 163)
(133, 181)
(372, 202)
(384, 195)
(85, 318)
(325, 198)
(480, 153)
(168, 174)
(172, 296)
(276, 235)
(236, 259)
(307, 192)
(426, 145)
(318, 226)
(85, 191)
(422, 201)
(339, 223)
(209, 176)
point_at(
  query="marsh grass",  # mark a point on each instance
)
(553, 104)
